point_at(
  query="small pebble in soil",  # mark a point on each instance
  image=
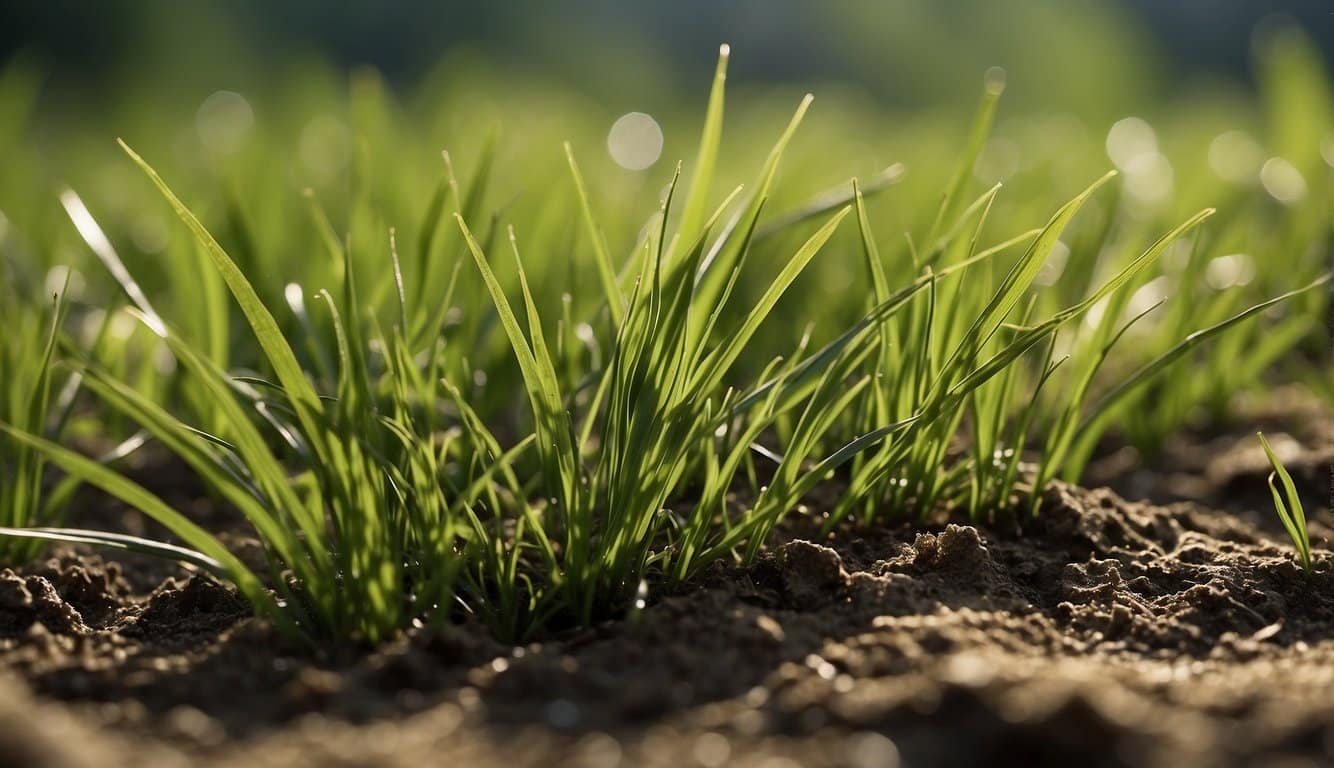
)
(712, 750)
(598, 750)
(563, 713)
(870, 750)
(192, 724)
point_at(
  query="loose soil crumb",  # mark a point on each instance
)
(1105, 632)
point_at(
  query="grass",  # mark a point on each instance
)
(557, 404)
(29, 404)
(1288, 506)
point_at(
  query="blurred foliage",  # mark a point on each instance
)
(241, 111)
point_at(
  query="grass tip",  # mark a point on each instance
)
(994, 81)
(151, 321)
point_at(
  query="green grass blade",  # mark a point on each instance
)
(1142, 376)
(299, 391)
(606, 270)
(697, 198)
(716, 365)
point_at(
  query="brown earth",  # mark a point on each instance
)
(1105, 632)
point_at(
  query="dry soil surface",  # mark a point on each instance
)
(1103, 633)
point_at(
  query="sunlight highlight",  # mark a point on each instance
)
(635, 141)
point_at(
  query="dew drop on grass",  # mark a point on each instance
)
(635, 141)
(1326, 151)
(223, 121)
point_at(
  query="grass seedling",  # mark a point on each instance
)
(1288, 505)
(27, 356)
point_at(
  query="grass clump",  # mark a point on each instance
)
(538, 435)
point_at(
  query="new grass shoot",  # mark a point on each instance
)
(1288, 505)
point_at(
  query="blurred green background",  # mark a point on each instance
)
(1094, 57)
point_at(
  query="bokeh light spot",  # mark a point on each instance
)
(635, 141)
(1227, 271)
(1130, 139)
(223, 121)
(1236, 157)
(325, 147)
(1149, 179)
(1282, 181)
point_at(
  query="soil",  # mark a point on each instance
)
(1107, 632)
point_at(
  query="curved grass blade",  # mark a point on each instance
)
(1290, 512)
(304, 400)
